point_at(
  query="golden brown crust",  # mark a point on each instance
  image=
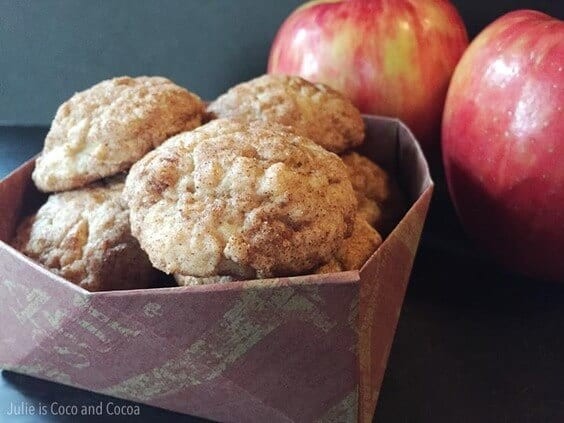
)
(240, 199)
(355, 250)
(380, 200)
(84, 236)
(105, 129)
(311, 110)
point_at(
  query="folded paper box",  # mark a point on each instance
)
(298, 349)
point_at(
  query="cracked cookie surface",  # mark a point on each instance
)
(84, 237)
(355, 250)
(311, 110)
(351, 255)
(103, 130)
(240, 199)
(380, 200)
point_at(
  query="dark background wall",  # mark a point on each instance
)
(51, 48)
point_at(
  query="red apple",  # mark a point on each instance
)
(503, 142)
(391, 57)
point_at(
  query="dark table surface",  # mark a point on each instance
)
(474, 343)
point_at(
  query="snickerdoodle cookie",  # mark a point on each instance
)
(240, 199)
(105, 129)
(352, 254)
(380, 200)
(311, 110)
(354, 250)
(84, 236)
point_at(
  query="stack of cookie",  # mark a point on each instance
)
(257, 192)
(82, 232)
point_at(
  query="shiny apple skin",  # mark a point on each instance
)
(503, 142)
(391, 57)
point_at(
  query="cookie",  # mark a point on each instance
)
(311, 110)
(380, 200)
(240, 199)
(355, 250)
(104, 130)
(353, 253)
(84, 236)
